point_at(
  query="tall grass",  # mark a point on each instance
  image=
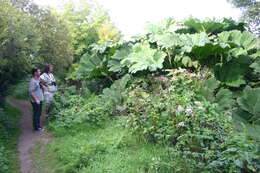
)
(110, 148)
(9, 129)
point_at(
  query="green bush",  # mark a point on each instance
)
(196, 129)
(74, 110)
(238, 154)
(9, 117)
(3, 161)
(20, 89)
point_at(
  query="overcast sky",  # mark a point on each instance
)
(130, 16)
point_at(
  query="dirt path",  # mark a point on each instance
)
(28, 138)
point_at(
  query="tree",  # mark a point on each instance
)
(88, 23)
(19, 43)
(251, 11)
(30, 36)
(55, 47)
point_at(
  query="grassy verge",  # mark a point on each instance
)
(9, 119)
(19, 90)
(110, 148)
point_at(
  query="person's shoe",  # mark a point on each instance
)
(40, 129)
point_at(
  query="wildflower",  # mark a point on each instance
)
(193, 75)
(188, 110)
(197, 103)
(179, 109)
(201, 107)
(181, 124)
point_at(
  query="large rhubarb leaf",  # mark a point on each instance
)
(213, 26)
(233, 72)
(115, 92)
(114, 63)
(245, 39)
(224, 98)
(144, 58)
(250, 101)
(92, 66)
(208, 87)
(256, 66)
(249, 105)
(188, 41)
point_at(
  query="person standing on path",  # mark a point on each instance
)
(36, 96)
(48, 80)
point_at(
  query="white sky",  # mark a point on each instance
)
(130, 16)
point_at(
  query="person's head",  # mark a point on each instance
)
(48, 68)
(36, 72)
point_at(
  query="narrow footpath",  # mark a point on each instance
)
(28, 138)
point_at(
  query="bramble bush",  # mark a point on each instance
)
(196, 129)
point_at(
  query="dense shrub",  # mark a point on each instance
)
(73, 110)
(197, 130)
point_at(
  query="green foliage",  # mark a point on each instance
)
(144, 58)
(233, 73)
(256, 66)
(116, 91)
(19, 90)
(250, 15)
(165, 115)
(197, 131)
(71, 111)
(112, 148)
(225, 99)
(9, 118)
(92, 66)
(54, 46)
(239, 154)
(87, 25)
(230, 53)
(19, 43)
(249, 102)
(114, 63)
(245, 39)
(3, 161)
(96, 64)
(213, 26)
(30, 36)
(182, 111)
(208, 87)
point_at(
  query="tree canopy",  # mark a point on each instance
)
(251, 11)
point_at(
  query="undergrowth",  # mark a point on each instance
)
(152, 124)
(9, 118)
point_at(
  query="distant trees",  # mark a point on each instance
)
(32, 36)
(251, 11)
(19, 42)
(88, 23)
